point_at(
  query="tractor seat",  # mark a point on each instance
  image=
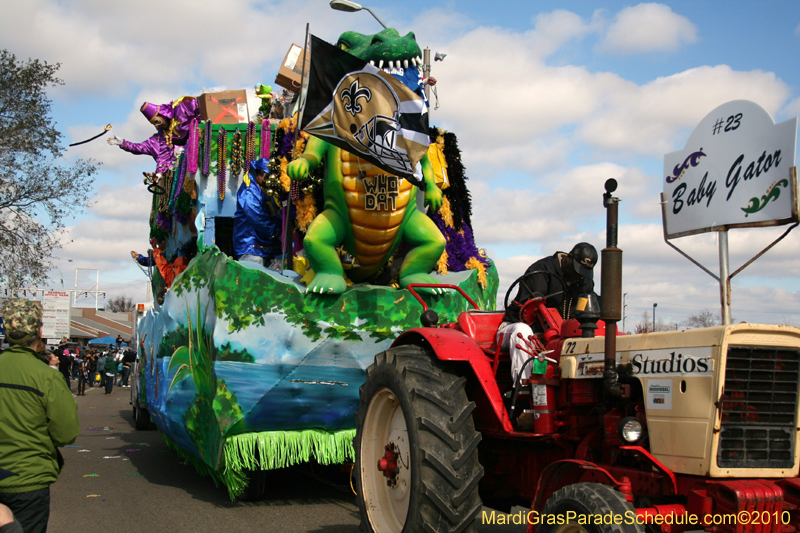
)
(481, 326)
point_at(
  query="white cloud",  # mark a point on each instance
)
(561, 204)
(792, 109)
(562, 109)
(552, 30)
(112, 47)
(117, 223)
(647, 119)
(648, 28)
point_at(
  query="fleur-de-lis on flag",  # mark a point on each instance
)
(351, 95)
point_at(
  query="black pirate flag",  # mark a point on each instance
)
(363, 110)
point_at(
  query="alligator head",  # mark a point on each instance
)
(386, 50)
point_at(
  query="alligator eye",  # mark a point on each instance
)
(413, 37)
(343, 46)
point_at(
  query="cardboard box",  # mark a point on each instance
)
(226, 107)
(290, 73)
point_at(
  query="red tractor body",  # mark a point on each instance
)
(580, 443)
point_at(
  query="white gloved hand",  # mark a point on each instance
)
(114, 141)
(159, 178)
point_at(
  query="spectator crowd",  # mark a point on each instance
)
(102, 367)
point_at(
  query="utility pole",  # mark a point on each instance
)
(426, 71)
(624, 305)
(94, 290)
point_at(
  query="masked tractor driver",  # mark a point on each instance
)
(562, 278)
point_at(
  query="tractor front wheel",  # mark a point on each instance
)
(578, 508)
(416, 446)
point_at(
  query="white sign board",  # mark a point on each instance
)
(733, 172)
(55, 315)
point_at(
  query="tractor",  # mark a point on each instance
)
(670, 431)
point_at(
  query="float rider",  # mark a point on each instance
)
(256, 229)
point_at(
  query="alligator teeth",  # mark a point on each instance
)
(391, 65)
(405, 63)
(372, 62)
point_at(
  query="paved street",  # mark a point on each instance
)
(117, 479)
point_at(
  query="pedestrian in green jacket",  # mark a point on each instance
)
(111, 372)
(37, 415)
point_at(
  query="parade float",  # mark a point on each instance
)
(246, 368)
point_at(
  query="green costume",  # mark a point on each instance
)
(370, 232)
(37, 414)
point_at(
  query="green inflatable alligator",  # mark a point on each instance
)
(371, 230)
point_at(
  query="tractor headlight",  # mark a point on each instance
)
(630, 429)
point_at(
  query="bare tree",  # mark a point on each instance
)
(38, 191)
(646, 324)
(120, 304)
(701, 319)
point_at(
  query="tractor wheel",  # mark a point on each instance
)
(591, 501)
(417, 463)
(141, 417)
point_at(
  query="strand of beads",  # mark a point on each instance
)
(236, 154)
(222, 145)
(177, 184)
(192, 147)
(266, 138)
(207, 148)
(294, 191)
(250, 154)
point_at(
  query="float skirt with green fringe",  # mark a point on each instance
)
(269, 450)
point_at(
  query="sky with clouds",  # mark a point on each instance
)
(548, 100)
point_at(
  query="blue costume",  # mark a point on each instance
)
(255, 230)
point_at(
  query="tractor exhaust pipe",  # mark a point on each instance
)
(611, 290)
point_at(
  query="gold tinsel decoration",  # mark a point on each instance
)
(286, 182)
(446, 213)
(301, 144)
(441, 264)
(190, 187)
(474, 263)
(306, 211)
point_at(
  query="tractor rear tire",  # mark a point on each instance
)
(418, 406)
(589, 500)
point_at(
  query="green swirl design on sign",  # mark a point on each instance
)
(773, 193)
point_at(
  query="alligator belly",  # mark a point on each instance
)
(376, 205)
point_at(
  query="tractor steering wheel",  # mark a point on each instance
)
(527, 310)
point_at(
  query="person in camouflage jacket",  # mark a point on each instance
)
(37, 415)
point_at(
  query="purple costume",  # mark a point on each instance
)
(178, 115)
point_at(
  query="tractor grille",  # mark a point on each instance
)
(759, 403)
